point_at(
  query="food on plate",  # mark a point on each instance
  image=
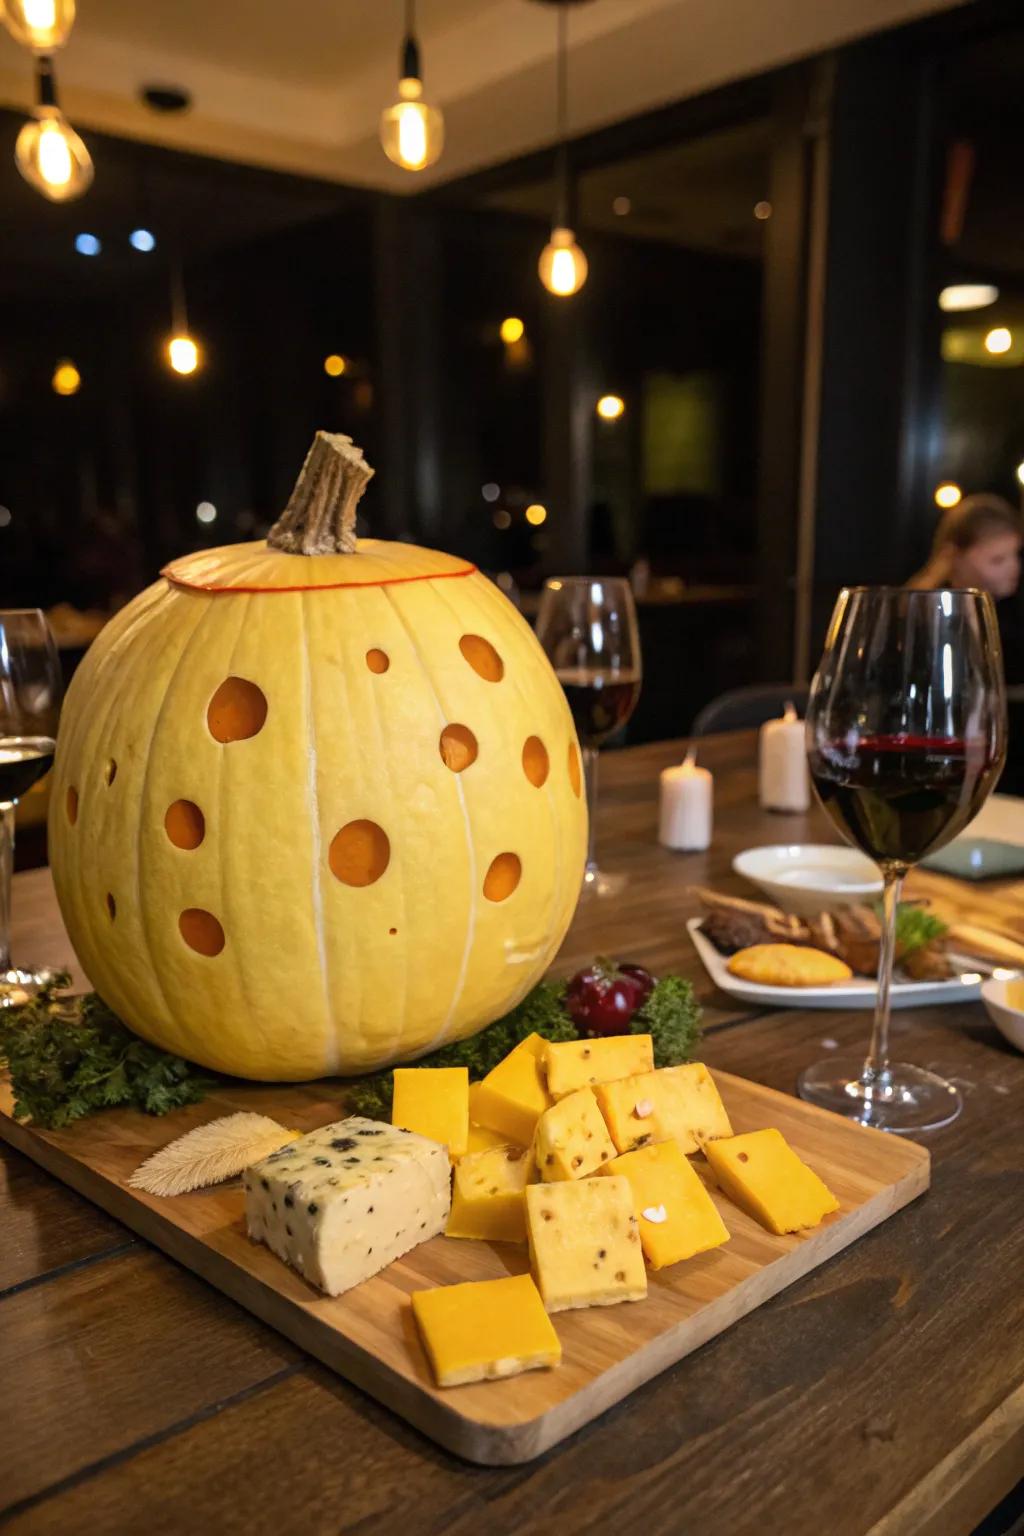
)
(514, 1095)
(730, 931)
(213, 1152)
(603, 999)
(988, 944)
(676, 1217)
(673, 1104)
(788, 965)
(572, 1064)
(343, 1202)
(571, 1139)
(434, 1102)
(316, 802)
(775, 924)
(760, 1172)
(584, 1244)
(488, 1195)
(485, 1329)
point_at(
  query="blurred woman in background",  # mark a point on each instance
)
(977, 544)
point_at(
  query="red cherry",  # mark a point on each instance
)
(644, 977)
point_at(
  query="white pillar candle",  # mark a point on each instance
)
(783, 780)
(686, 797)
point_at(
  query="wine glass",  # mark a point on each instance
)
(587, 625)
(906, 735)
(30, 689)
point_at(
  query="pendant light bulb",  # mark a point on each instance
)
(183, 354)
(562, 266)
(51, 156)
(42, 25)
(411, 131)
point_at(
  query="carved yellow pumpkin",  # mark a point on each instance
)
(316, 812)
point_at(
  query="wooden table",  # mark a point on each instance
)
(883, 1394)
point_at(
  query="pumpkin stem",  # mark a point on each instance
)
(320, 518)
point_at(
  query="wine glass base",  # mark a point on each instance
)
(17, 986)
(906, 1100)
(600, 885)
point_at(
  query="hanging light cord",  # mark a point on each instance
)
(562, 117)
(411, 69)
(46, 84)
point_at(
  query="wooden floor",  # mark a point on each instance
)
(884, 1393)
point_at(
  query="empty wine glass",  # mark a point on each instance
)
(906, 735)
(587, 625)
(30, 689)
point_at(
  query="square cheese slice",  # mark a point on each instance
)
(488, 1197)
(584, 1245)
(763, 1175)
(484, 1329)
(573, 1064)
(345, 1201)
(434, 1102)
(513, 1095)
(673, 1104)
(572, 1139)
(480, 1138)
(676, 1216)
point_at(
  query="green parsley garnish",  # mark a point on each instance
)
(69, 1057)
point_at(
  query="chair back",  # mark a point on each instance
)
(743, 709)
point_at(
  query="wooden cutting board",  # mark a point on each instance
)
(368, 1335)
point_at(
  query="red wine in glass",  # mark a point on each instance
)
(23, 760)
(599, 701)
(906, 736)
(900, 797)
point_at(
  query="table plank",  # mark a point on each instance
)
(46, 1227)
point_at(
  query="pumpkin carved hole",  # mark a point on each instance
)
(536, 764)
(575, 774)
(458, 747)
(185, 824)
(110, 771)
(111, 907)
(237, 710)
(360, 853)
(201, 931)
(71, 803)
(483, 658)
(503, 876)
(377, 661)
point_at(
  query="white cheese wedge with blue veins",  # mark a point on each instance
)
(342, 1203)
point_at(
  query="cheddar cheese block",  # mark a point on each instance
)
(676, 1217)
(488, 1198)
(513, 1095)
(674, 1104)
(763, 1175)
(572, 1064)
(584, 1244)
(484, 1329)
(345, 1201)
(572, 1139)
(434, 1102)
(480, 1138)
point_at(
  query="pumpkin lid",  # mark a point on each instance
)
(313, 545)
(252, 567)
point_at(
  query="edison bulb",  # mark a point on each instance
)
(66, 378)
(51, 156)
(183, 354)
(42, 25)
(562, 265)
(411, 132)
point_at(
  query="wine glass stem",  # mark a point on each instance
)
(6, 871)
(590, 775)
(876, 1067)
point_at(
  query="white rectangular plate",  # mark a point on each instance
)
(859, 993)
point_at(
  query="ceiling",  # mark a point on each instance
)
(301, 89)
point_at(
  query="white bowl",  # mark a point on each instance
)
(810, 877)
(1009, 1021)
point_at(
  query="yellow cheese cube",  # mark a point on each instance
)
(675, 1214)
(480, 1138)
(763, 1175)
(573, 1064)
(674, 1104)
(572, 1139)
(584, 1244)
(485, 1329)
(512, 1097)
(488, 1197)
(434, 1102)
